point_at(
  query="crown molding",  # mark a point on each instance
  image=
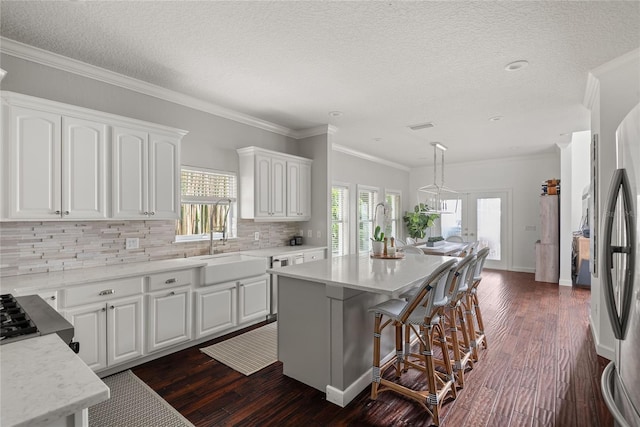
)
(315, 131)
(361, 155)
(492, 162)
(54, 60)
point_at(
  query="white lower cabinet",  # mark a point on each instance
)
(254, 298)
(215, 309)
(109, 332)
(168, 318)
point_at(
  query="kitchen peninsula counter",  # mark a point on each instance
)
(324, 328)
(43, 381)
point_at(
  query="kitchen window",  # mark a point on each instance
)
(208, 198)
(339, 220)
(367, 200)
(394, 206)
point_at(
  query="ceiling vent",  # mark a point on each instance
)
(422, 126)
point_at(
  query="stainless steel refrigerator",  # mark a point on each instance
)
(621, 275)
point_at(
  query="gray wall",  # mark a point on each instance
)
(354, 171)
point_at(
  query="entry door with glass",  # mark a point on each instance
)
(480, 216)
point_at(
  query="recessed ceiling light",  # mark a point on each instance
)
(516, 65)
(440, 146)
(335, 113)
(377, 139)
(495, 118)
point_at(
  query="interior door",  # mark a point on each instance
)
(481, 216)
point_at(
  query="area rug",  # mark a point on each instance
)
(134, 404)
(249, 352)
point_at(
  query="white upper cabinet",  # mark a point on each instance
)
(84, 169)
(274, 186)
(299, 187)
(146, 175)
(65, 162)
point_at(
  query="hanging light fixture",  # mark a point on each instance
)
(436, 194)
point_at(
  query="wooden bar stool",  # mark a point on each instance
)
(424, 311)
(472, 306)
(460, 340)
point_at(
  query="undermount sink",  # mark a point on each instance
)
(229, 267)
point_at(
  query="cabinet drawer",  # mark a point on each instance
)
(313, 255)
(103, 291)
(168, 280)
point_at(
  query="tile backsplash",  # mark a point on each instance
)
(38, 247)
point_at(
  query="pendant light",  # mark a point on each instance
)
(436, 195)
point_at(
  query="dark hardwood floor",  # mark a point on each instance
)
(541, 369)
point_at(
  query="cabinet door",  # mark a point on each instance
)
(164, 177)
(314, 255)
(298, 190)
(34, 147)
(215, 309)
(168, 318)
(263, 187)
(90, 329)
(304, 195)
(124, 330)
(278, 188)
(84, 166)
(130, 174)
(254, 298)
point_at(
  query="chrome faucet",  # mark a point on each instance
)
(224, 223)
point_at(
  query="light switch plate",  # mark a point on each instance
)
(256, 235)
(310, 233)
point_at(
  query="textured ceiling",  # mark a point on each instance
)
(385, 65)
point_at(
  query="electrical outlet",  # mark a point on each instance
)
(301, 232)
(256, 235)
(310, 233)
(132, 243)
(318, 234)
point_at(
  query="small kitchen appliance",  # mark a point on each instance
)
(298, 240)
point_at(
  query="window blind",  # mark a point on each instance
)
(198, 186)
(339, 218)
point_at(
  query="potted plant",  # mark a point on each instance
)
(419, 220)
(435, 241)
(378, 241)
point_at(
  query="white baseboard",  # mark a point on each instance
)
(523, 269)
(602, 350)
(343, 397)
(565, 282)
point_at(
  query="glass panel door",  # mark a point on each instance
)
(479, 216)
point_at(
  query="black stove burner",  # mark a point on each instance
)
(14, 322)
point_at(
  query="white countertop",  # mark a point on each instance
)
(382, 276)
(42, 380)
(58, 279)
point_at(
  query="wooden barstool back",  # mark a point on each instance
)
(459, 339)
(424, 311)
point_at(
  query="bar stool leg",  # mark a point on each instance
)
(399, 349)
(375, 370)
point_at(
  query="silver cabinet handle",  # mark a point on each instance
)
(58, 212)
(103, 309)
(112, 308)
(53, 297)
(152, 213)
(145, 213)
(65, 213)
(169, 281)
(172, 293)
(107, 292)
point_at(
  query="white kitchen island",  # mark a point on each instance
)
(325, 332)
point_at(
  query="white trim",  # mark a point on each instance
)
(591, 92)
(523, 269)
(565, 282)
(342, 398)
(492, 162)
(601, 350)
(346, 150)
(318, 130)
(54, 60)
